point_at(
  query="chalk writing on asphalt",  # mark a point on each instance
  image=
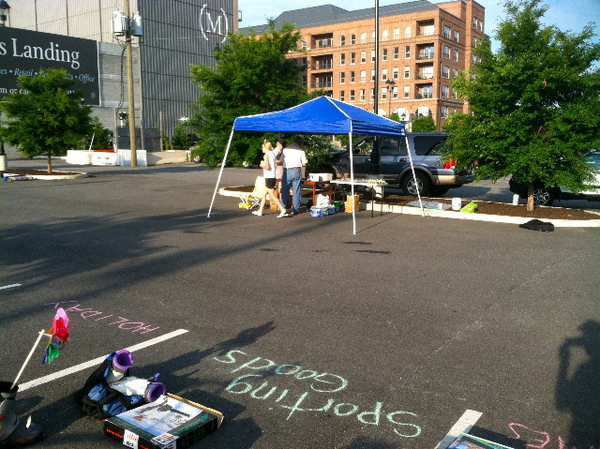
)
(110, 320)
(257, 376)
(538, 440)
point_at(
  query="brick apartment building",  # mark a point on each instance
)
(422, 47)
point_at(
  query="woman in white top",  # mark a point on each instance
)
(269, 167)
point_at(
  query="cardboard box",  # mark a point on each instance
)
(352, 203)
(171, 422)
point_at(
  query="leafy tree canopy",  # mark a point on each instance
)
(252, 76)
(535, 103)
(46, 116)
(423, 124)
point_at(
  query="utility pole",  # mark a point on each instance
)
(130, 86)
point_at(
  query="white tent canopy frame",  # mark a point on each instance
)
(322, 115)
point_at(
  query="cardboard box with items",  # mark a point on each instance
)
(169, 422)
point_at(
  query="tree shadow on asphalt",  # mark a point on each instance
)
(368, 443)
(578, 385)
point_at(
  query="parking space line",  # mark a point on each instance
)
(97, 361)
(463, 425)
(10, 286)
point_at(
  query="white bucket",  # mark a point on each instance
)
(456, 203)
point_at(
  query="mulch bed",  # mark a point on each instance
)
(483, 207)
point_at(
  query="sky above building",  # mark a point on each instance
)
(565, 14)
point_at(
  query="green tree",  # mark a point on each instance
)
(47, 118)
(423, 124)
(535, 103)
(252, 76)
(103, 137)
(181, 139)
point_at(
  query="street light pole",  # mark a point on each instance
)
(130, 88)
(390, 84)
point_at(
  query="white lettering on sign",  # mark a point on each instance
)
(208, 25)
(51, 53)
(310, 397)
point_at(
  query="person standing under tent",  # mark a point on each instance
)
(294, 160)
(269, 167)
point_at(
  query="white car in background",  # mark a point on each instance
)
(545, 196)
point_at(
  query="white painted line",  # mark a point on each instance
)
(463, 425)
(97, 361)
(10, 286)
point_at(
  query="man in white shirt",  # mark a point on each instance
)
(294, 160)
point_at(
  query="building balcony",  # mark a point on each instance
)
(423, 56)
(423, 95)
(321, 84)
(423, 77)
(323, 65)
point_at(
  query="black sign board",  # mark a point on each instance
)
(24, 52)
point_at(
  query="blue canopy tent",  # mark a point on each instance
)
(322, 115)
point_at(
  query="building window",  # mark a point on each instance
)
(396, 52)
(342, 77)
(353, 39)
(445, 91)
(447, 32)
(373, 75)
(342, 95)
(352, 95)
(342, 58)
(372, 94)
(384, 54)
(363, 57)
(395, 73)
(446, 72)
(385, 35)
(446, 52)
(352, 76)
(395, 92)
(407, 52)
(407, 33)
(444, 111)
(352, 58)
(454, 73)
(396, 33)
(372, 36)
(342, 41)
(406, 91)
(303, 44)
(384, 74)
(428, 30)
(363, 38)
(362, 95)
(427, 73)
(406, 72)
(456, 36)
(384, 93)
(373, 55)
(455, 55)
(363, 76)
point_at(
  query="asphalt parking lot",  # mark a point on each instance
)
(303, 334)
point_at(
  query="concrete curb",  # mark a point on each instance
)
(411, 210)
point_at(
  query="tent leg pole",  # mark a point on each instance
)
(352, 185)
(412, 168)
(220, 173)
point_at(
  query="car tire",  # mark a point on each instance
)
(423, 182)
(543, 196)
